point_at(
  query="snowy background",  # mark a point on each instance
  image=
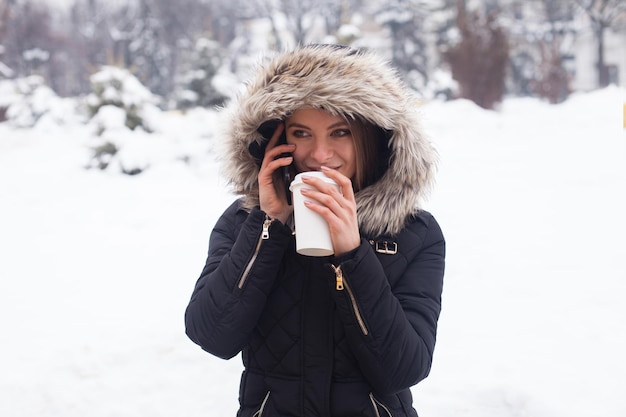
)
(96, 267)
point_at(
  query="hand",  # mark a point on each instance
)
(337, 208)
(272, 198)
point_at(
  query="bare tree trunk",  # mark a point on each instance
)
(603, 71)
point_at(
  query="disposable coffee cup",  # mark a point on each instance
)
(312, 233)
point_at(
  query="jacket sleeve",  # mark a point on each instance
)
(390, 312)
(238, 275)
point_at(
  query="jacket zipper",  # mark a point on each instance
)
(340, 284)
(260, 411)
(265, 234)
(376, 404)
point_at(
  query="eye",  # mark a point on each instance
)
(298, 133)
(341, 132)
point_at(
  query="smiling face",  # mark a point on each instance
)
(321, 139)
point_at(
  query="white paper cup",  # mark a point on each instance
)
(312, 233)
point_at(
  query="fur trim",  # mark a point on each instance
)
(345, 82)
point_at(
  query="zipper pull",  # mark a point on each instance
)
(266, 228)
(338, 277)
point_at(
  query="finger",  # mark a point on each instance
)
(328, 206)
(280, 152)
(270, 166)
(322, 191)
(273, 164)
(319, 207)
(344, 183)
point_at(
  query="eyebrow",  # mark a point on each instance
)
(333, 126)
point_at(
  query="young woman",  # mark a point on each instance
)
(344, 335)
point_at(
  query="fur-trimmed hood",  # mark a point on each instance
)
(342, 81)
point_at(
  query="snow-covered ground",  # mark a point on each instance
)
(96, 267)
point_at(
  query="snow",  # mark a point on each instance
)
(97, 266)
(118, 85)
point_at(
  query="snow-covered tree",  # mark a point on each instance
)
(149, 53)
(117, 87)
(24, 102)
(27, 37)
(5, 71)
(198, 82)
(119, 104)
(405, 20)
(91, 46)
(541, 34)
(604, 15)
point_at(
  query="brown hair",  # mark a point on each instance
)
(371, 153)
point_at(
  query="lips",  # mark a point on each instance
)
(320, 168)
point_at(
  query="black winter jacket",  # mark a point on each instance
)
(339, 336)
(309, 347)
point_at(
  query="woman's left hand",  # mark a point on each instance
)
(338, 208)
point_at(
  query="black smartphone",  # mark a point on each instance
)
(257, 150)
(286, 170)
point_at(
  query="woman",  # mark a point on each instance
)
(349, 334)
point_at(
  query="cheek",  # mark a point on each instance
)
(298, 158)
(348, 153)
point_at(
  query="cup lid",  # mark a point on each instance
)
(319, 174)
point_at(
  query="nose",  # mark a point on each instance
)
(321, 151)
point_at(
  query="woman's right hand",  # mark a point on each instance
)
(272, 198)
